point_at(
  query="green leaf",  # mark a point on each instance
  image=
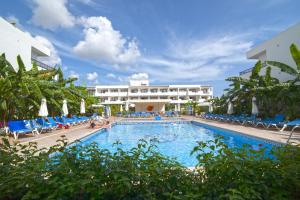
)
(283, 67)
(256, 70)
(296, 55)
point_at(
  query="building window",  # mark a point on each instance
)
(134, 91)
(193, 90)
(205, 91)
(144, 90)
(103, 99)
(182, 90)
(123, 99)
(153, 90)
(163, 97)
(114, 90)
(173, 90)
(124, 90)
(164, 90)
(134, 98)
(91, 92)
(114, 99)
(193, 98)
(173, 98)
(153, 97)
(102, 91)
(182, 98)
(144, 97)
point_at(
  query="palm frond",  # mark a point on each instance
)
(283, 67)
(296, 55)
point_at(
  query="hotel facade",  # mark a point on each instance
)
(149, 98)
(276, 49)
(14, 42)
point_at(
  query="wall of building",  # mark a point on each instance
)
(157, 107)
(151, 95)
(14, 42)
(277, 49)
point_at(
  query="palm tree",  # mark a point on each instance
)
(288, 92)
(21, 91)
(242, 90)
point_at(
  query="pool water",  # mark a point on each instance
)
(174, 139)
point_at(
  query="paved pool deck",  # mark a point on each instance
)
(268, 134)
(49, 139)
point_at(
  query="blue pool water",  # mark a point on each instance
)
(175, 139)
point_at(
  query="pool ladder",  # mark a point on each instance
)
(293, 130)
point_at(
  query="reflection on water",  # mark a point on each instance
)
(173, 139)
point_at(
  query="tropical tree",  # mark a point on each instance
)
(288, 92)
(242, 90)
(21, 91)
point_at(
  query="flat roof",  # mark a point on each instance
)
(147, 86)
(260, 48)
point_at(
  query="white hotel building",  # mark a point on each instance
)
(14, 42)
(276, 49)
(144, 97)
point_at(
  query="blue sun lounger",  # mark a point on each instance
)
(63, 121)
(77, 119)
(84, 118)
(19, 127)
(32, 124)
(295, 124)
(46, 126)
(277, 121)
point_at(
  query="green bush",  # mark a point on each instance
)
(90, 172)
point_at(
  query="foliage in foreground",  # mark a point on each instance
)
(90, 172)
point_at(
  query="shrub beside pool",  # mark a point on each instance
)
(90, 172)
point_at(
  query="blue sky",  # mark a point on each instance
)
(169, 41)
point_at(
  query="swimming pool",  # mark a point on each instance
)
(175, 139)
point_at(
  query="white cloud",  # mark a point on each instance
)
(211, 48)
(92, 76)
(192, 60)
(52, 14)
(54, 58)
(139, 76)
(111, 75)
(73, 74)
(104, 44)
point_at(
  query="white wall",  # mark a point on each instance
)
(157, 107)
(14, 42)
(277, 49)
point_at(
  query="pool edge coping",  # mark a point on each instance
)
(275, 142)
(243, 133)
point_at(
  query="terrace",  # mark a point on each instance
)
(75, 133)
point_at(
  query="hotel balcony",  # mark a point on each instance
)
(246, 73)
(149, 93)
(41, 64)
(170, 93)
(111, 94)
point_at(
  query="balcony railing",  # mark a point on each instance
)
(246, 71)
(40, 64)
